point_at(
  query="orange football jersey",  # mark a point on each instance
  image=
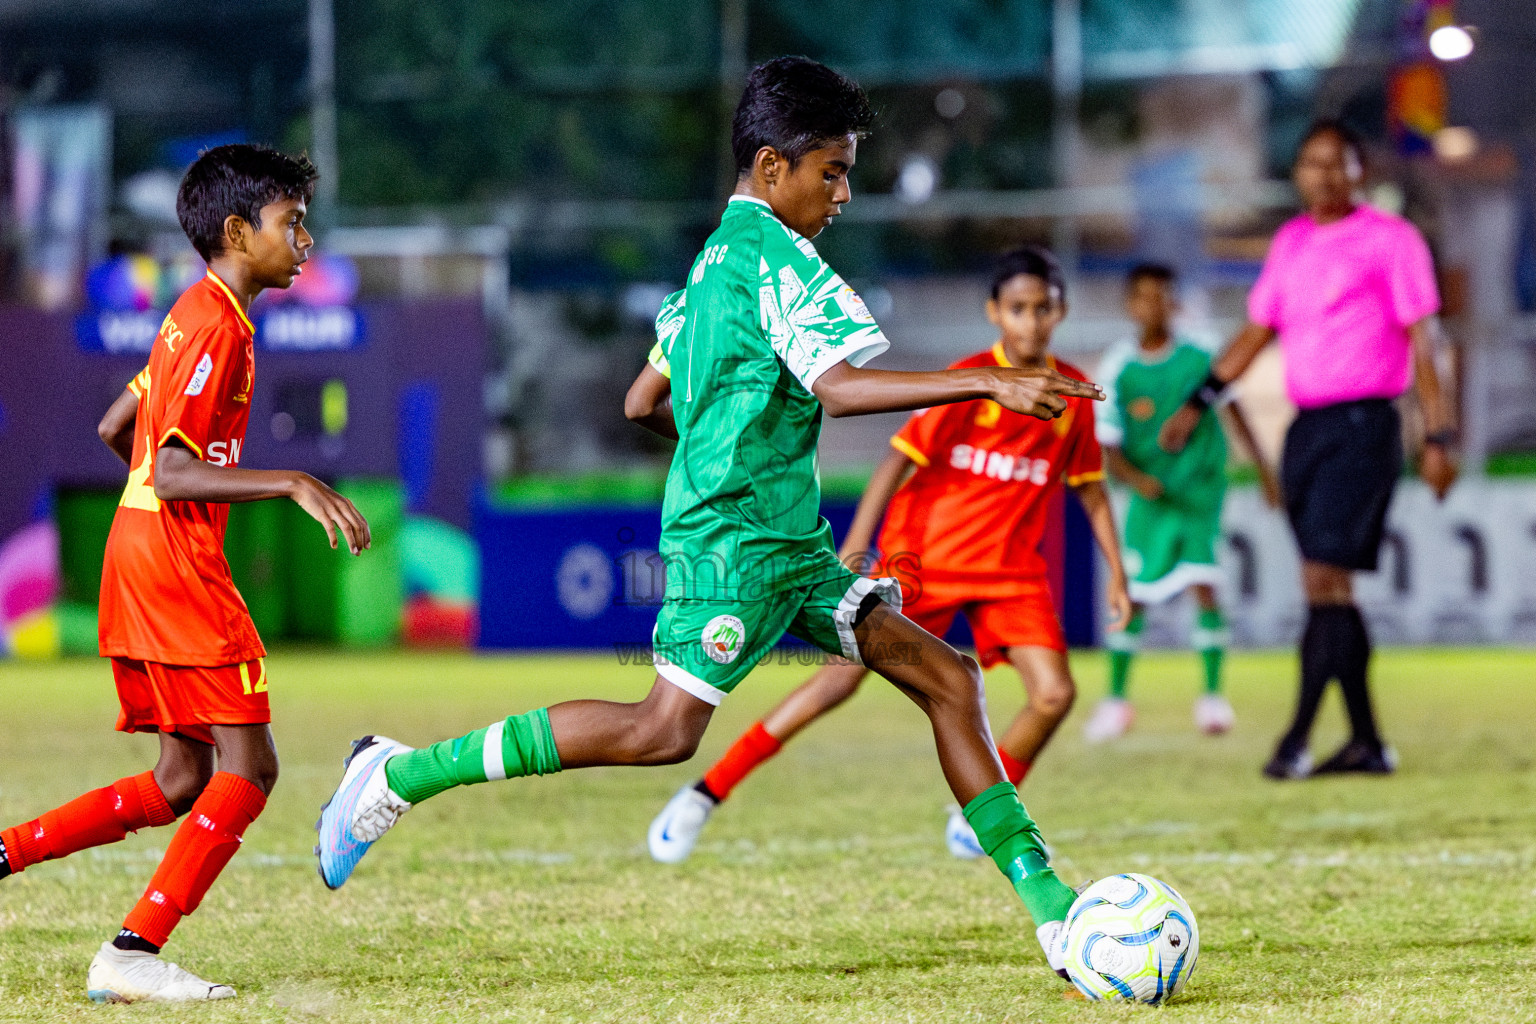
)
(166, 591)
(976, 508)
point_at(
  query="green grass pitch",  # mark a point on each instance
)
(822, 892)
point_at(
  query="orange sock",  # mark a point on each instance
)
(755, 746)
(99, 817)
(203, 845)
(1013, 767)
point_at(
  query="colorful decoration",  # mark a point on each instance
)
(29, 590)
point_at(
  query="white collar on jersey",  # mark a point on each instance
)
(738, 198)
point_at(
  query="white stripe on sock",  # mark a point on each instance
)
(490, 754)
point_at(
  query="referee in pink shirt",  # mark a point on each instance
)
(1350, 292)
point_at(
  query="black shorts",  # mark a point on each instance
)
(1339, 468)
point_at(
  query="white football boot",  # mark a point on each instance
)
(131, 975)
(960, 837)
(361, 810)
(676, 829)
(1053, 940)
(1214, 715)
(1111, 719)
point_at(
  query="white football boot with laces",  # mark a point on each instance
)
(676, 829)
(131, 976)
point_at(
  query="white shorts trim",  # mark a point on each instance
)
(1179, 579)
(889, 591)
(490, 755)
(685, 680)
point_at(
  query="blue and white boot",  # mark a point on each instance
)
(361, 810)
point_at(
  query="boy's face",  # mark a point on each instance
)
(280, 246)
(1026, 310)
(1150, 303)
(808, 195)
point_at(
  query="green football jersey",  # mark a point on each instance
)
(762, 317)
(1142, 389)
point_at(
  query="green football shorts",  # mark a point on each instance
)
(1169, 549)
(707, 646)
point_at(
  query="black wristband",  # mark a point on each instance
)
(1442, 438)
(1208, 393)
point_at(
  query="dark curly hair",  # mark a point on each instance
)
(795, 105)
(237, 180)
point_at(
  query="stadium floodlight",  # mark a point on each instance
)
(1450, 42)
(918, 178)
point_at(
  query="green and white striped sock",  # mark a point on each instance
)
(516, 746)
(1209, 637)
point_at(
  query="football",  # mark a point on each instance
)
(1131, 937)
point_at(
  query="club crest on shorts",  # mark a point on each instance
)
(722, 638)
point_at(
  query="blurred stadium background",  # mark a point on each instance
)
(510, 189)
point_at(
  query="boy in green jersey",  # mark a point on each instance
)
(763, 338)
(1174, 520)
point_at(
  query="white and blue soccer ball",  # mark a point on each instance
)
(1131, 937)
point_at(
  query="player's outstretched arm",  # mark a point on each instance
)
(846, 390)
(1102, 519)
(649, 403)
(1230, 365)
(116, 427)
(883, 483)
(182, 476)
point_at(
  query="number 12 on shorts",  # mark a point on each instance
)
(259, 683)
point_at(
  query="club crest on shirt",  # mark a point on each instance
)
(1142, 409)
(722, 638)
(200, 376)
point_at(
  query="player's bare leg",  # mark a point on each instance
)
(1050, 693)
(383, 779)
(948, 687)
(675, 831)
(664, 728)
(223, 805)
(831, 684)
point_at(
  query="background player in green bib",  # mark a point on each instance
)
(763, 338)
(1174, 519)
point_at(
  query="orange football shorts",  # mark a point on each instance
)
(187, 699)
(1021, 614)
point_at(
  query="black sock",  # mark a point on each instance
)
(1354, 660)
(133, 940)
(1319, 664)
(703, 787)
(5, 863)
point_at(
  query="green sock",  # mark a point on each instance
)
(1210, 639)
(519, 745)
(1123, 646)
(1013, 842)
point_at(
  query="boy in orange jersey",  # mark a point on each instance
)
(185, 655)
(965, 494)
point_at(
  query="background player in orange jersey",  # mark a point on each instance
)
(965, 494)
(185, 655)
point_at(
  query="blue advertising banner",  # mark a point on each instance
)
(591, 577)
(287, 328)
